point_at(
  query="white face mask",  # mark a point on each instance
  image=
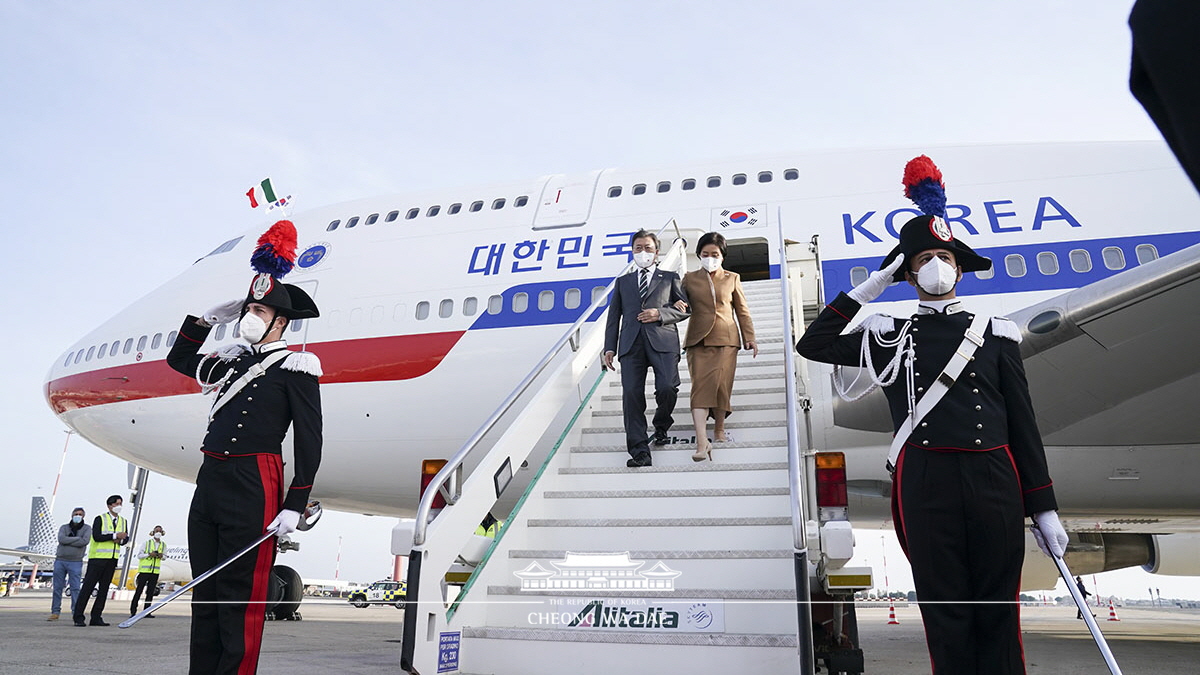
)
(76, 519)
(644, 259)
(937, 277)
(252, 328)
(116, 509)
(157, 536)
(711, 263)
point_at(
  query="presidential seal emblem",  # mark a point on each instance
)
(262, 285)
(940, 228)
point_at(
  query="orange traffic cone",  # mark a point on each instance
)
(1112, 611)
(892, 614)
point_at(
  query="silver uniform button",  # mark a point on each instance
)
(920, 389)
(243, 412)
(978, 442)
(227, 452)
(925, 442)
(916, 374)
(972, 358)
(972, 374)
(254, 386)
(234, 440)
(974, 391)
(249, 398)
(977, 426)
(239, 426)
(924, 424)
(979, 407)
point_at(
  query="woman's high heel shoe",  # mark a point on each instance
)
(702, 451)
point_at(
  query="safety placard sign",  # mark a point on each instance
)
(448, 652)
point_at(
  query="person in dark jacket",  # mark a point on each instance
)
(968, 470)
(73, 540)
(110, 531)
(261, 390)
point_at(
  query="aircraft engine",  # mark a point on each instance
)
(1175, 554)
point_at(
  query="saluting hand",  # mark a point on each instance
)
(877, 283)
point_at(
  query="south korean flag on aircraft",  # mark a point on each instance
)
(739, 217)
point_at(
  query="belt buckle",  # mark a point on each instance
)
(974, 337)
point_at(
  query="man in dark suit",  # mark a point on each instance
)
(645, 306)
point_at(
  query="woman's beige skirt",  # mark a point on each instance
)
(712, 370)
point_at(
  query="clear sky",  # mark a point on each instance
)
(129, 133)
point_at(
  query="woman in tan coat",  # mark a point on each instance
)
(713, 338)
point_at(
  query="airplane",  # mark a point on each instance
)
(435, 304)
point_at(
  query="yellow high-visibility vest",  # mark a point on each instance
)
(491, 531)
(109, 524)
(148, 565)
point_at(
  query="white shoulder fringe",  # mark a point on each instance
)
(1006, 328)
(878, 324)
(303, 362)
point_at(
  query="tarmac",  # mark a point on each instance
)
(334, 637)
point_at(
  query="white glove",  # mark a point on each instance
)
(224, 312)
(285, 522)
(877, 283)
(1049, 533)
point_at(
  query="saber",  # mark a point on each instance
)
(312, 513)
(1086, 612)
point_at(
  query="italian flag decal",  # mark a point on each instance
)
(262, 194)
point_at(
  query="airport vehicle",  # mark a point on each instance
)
(471, 288)
(386, 592)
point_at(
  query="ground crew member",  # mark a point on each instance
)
(261, 391)
(972, 466)
(149, 567)
(109, 534)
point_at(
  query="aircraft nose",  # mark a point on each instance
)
(85, 384)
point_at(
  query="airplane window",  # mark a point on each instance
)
(156, 342)
(356, 314)
(546, 300)
(986, 274)
(598, 292)
(714, 181)
(296, 325)
(791, 174)
(371, 219)
(1145, 253)
(170, 340)
(422, 310)
(520, 302)
(764, 176)
(112, 351)
(521, 201)
(103, 351)
(352, 222)
(67, 361)
(498, 204)
(398, 312)
(664, 186)
(412, 213)
(91, 350)
(446, 308)
(614, 191)
(1081, 260)
(1047, 263)
(470, 306)
(1014, 264)
(739, 179)
(639, 189)
(476, 206)
(495, 304)
(454, 208)
(571, 298)
(333, 225)
(391, 216)
(220, 334)
(227, 246)
(433, 211)
(78, 355)
(237, 329)
(688, 184)
(377, 314)
(858, 275)
(1114, 258)
(142, 343)
(128, 346)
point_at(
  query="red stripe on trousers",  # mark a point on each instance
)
(269, 470)
(1017, 597)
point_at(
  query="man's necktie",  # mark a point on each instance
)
(644, 284)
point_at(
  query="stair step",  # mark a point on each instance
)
(681, 453)
(716, 593)
(666, 507)
(653, 494)
(741, 408)
(737, 392)
(661, 554)
(683, 375)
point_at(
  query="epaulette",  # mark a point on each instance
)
(879, 324)
(231, 352)
(1006, 328)
(303, 362)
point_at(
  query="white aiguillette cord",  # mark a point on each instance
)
(253, 372)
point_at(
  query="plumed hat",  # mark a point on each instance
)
(274, 257)
(923, 185)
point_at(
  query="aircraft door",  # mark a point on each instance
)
(566, 201)
(748, 257)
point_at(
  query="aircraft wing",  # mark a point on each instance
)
(28, 555)
(1115, 362)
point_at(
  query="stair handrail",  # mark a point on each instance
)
(796, 467)
(455, 464)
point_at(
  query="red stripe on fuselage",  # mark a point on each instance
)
(382, 359)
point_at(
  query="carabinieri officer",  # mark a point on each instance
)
(968, 469)
(261, 390)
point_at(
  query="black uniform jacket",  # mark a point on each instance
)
(256, 420)
(988, 407)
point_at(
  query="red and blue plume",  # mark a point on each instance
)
(276, 250)
(923, 184)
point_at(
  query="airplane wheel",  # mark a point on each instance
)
(284, 592)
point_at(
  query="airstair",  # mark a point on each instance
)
(679, 567)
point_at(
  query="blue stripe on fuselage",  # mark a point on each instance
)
(836, 273)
